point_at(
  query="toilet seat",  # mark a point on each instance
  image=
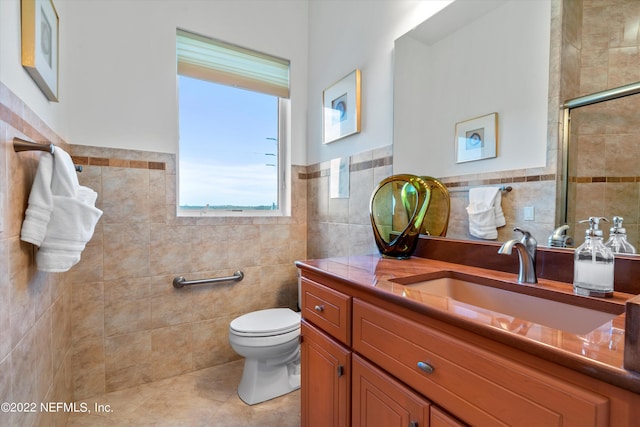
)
(265, 323)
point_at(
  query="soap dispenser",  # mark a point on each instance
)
(593, 264)
(618, 238)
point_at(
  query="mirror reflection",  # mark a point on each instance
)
(586, 47)
(602, 169)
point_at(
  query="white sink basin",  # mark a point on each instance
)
(547, 312)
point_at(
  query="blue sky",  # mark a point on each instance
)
(224, 145)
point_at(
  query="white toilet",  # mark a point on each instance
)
(268, 339)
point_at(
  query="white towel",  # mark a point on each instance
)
(61, 215)
(485, 212)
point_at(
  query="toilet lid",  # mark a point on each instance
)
(272, 321)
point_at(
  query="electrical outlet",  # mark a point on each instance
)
(529, 214)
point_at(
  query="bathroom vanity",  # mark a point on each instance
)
(412, 343)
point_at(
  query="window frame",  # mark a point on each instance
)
(283, 160)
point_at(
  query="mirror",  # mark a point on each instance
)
(463, 62)
(603, 154)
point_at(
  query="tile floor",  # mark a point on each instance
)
(203, 398)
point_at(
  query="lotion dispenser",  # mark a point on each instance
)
(618, 238)
(593, 264)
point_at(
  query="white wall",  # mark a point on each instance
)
(118, 66)
(343, 36)
(494, 64)
(16, 78)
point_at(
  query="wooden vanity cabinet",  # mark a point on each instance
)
(480, 387)
(369, 362)
(326, 357)
(325, 381)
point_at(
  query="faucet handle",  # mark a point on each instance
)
(526, 236)
(528, 241)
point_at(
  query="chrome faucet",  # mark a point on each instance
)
(559, 238)
(526, 248)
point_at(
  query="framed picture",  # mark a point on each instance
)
(40, 44)
(341, 108)
(477, 138)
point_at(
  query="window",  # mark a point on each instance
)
(232, 121)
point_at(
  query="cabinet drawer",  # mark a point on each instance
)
(480, 387)
(328, 309)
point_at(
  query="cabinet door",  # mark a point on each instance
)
(326, 385)
(380, 401)
(439, 418)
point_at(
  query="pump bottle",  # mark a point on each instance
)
(618, 238)
(593, 264)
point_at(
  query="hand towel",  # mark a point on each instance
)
(485, 212)
(61, 215)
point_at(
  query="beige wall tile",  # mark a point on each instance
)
(60, 329)
(5, 304)
(172, 307)
(211, 343)
(87, 310)
(88, 362)
(172, 351)
(126, 250)
(6, 395)
(125, 195)
(127, 360)
(126, 316)
(34, 320)
(43, 354)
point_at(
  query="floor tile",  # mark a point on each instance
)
(204, 398)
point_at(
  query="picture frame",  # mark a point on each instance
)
(341, 108)
(477, 138)
(39, 30)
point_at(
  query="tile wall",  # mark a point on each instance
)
(35, 307)
(341, 227)
(115, 320)
(605, 179)
(130, 325)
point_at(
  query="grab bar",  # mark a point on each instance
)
(180, 282)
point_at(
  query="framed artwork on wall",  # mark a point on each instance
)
(477, 138)
(40, 44)
(341, 108)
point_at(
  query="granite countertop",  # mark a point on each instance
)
(597, 353)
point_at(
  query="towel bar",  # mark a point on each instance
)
(180, 282)
(20, 145)
(503, 189)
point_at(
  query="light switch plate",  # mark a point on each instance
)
(529, 214)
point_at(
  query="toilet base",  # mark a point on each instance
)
(261, 381)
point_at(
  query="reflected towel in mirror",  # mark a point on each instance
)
(485, 212)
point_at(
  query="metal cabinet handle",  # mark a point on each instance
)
(319, 308)
(425, 367)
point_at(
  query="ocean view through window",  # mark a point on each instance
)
(230, 144)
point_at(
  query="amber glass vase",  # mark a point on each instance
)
(397, 209)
